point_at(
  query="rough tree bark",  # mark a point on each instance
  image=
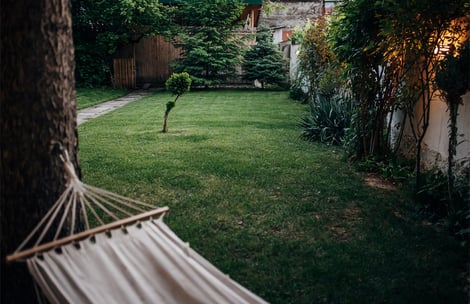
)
(170, 105)
(38, 105)
(453, 107)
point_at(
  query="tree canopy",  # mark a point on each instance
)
(389, 50)
(264, 61)
(211, 49)
(178, 84)
(101, 27)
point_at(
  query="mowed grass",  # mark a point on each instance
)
(290, 220)
(87, 97)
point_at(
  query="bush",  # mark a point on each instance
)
(178, 83)
(434, 202)
(92, 69)
(395, 169)
(327, 121)
(296, 93)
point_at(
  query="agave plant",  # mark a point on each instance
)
(327, 120)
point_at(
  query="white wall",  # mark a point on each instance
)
(277, 36)
(436, 140)
(294, 61)
(437, 136)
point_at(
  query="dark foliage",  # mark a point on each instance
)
(100, 28)
(211, 50)
(327, 121)
(264, 61)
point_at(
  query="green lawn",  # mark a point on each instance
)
(87, 97)
(290, 220)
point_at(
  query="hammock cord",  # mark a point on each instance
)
(82, 200)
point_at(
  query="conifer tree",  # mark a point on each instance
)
(264, 61)
(211, 48)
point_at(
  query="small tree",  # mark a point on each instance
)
(315, 56)
(453, 79)
(355, 34)
(177, 84)
(210, 47)
(264, 62)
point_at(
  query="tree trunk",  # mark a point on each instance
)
(170, 105)
(418, 166)
(453, 106)
(38, 106)
(165, 121)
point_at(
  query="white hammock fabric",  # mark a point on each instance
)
(147, 265)
(126, 262)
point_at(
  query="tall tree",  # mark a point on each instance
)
(453, 78)
(101, 27)
(211, 49)
(264, 61)
(390, 50)
(38, 107)
(316, 56)
(415, 31)
(356, 29)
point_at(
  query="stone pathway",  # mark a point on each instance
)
(100, 109)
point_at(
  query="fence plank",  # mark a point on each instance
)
(124, 73)
(153, 56)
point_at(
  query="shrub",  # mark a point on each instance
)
(396, 169)
(178, 83)
(296, 93)
(318, 66)
(327, 121)
(434, 201)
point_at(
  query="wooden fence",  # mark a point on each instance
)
(124, 73)
(153, 56)
(150, 62)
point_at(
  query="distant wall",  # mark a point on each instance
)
(284, 21)
(294, 14)
(436, 140)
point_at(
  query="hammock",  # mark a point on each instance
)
(136, 259)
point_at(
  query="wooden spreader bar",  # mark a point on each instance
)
(85, 234)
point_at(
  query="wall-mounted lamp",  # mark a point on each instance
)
(443, 50)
